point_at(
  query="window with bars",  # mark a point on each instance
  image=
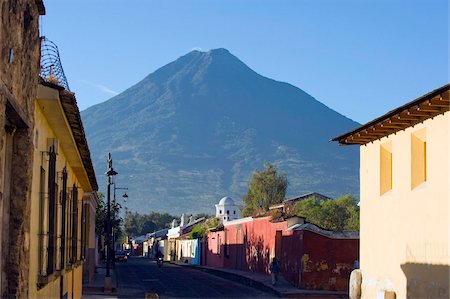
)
(52, 221)
(42, 257)
(74, 224)
(48, 214)
(69, 223)
(63, 217)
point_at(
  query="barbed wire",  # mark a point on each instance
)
(51, 67)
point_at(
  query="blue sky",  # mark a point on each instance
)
(362, 58)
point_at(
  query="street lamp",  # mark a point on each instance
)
(110, 174)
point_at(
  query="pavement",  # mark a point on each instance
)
(96, 288)
(261, 282)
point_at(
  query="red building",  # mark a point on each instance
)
(310, 257)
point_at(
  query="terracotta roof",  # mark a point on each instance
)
(427, 106)
(70, 107)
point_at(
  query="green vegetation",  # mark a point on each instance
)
(100, 217)
(139, 224)
(200, 230)
(267, 187)
(339, 214)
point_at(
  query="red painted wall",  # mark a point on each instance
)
(315, 262)
(308, 260)
(245, 246)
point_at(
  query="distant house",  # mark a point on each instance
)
(158, 241)
(287, 205)
(405, 198)
(140, 245)
(176, 234)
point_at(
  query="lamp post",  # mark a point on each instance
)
(110, 174)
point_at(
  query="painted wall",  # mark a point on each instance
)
(405, 231)
(51, 289)
(308, 260)
(188, 251)
(326, 263)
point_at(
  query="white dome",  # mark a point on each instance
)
(226, 201)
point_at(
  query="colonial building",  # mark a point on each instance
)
(63, 197)
(19, 69)
(405, 198)
(47, 182)
(227, 210)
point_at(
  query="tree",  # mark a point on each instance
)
(100, 215)
(136, 224)
(200, 230)
(337, 214)
(267, 187)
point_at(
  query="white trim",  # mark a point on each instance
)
(238, 221)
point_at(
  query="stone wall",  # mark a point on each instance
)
(19, 70)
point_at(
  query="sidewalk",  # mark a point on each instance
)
(95, 288)
(264, 283)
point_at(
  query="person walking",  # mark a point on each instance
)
(274, 269)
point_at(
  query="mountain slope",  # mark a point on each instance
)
(194, 130)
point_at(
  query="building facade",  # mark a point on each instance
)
(19, 69)
(63, 197)
(405, 199)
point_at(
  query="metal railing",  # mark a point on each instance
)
(51, 67)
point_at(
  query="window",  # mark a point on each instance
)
(228, 212)
(42, 257)
(63, 217)
(84, 230)
(74, 223)
(385, 167)
(51, 210)
(69, 217)
(234, 212)
(418, 158)
(220, 211)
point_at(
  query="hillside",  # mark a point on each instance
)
(194, 130)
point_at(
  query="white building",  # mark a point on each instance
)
(227, 210)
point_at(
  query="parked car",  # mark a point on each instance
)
(121, 256)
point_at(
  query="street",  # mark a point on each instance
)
(140, 276)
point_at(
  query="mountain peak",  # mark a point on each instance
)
(218, 63)
(198, 127)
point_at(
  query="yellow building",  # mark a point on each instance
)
(63, 196)
(405, 203)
